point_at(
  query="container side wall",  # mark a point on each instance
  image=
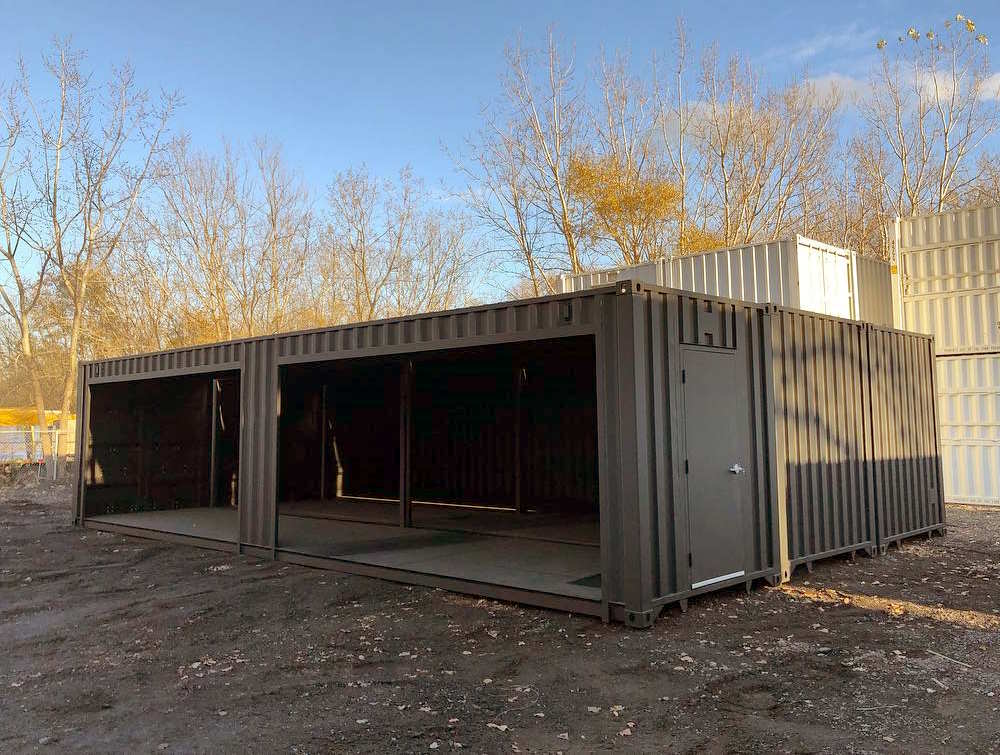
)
(969, 409)
(820, 370)
(874, 291)
(963, 322)
(950, 278)
(800, 273)
(665, 322)
(756, 273)
(907, 471)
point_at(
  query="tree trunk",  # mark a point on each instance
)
(69, 381)
(36, 391)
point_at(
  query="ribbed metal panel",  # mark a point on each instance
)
(662, 322)
(975, 225)
(823, 429)
(148, 446)
(757, 273)
(949, 278)
(874, 291)
(498, 323)
(798, 272)
(646, 272)
(258, 444)
(212, 358)
(969, 410)
(962, 323)
(907, 472)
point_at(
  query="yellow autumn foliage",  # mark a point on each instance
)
(625, 206)
(633, 210)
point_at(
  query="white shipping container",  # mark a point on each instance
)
(797, 272)
(948, 278)
(968, 390)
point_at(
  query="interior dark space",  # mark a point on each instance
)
(165, 445)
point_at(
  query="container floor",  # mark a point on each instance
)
(579, 529)
(220, 523)
(557, 568)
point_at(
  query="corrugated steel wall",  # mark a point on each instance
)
(909, 495)
(823, 431)
(211, 358)
(963, 322)
(148, 448)
(757, 273)
(949, 267)
(969, 408)
(770, 272)
(661, 322)
(949, 287)
(874, 291)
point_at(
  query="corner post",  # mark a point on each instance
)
(322, 444)
(774, 363)
(80, 439)
(635, 491)
(405, 442)
(212, 472)
(519, 381)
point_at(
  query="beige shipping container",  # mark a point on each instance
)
(948, 279)
(796, 272)
(947, 284)
(968, 390)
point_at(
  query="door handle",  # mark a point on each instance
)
(736, 469)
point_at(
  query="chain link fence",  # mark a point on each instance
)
(48, 454)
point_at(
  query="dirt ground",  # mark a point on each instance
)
(120, 644)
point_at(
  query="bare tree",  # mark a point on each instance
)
(134, 302)
(518, 166)
(95, 150)
(25, 263)
(273, 259)
(238, 232)
(200, 225)
(765, 149)
(677, 118)
(931, 107)
(500, 197)
(395, 254)
(547, 108)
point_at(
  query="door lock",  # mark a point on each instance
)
(736, 469)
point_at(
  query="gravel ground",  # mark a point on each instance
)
(121, 644)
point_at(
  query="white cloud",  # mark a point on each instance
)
(991, 87)
(832, 43)
(850, 87)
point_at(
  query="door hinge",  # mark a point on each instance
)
(686, 467)
(684, 376)
(690, 561)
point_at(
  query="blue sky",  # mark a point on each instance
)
(338, 84)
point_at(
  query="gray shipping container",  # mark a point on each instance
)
(947, 284)
(733, 441)
(797, 272)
